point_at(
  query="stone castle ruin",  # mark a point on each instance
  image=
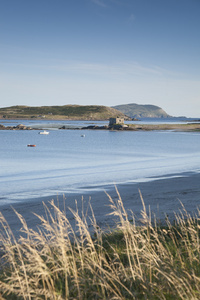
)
(116, 121)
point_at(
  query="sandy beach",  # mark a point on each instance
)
(163, 196)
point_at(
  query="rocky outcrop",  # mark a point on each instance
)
(18, 127)
(95, 127)
(22, 127)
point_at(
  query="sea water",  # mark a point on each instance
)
(64, 161)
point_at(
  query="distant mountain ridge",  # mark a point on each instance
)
(67, 112)
(134, 110)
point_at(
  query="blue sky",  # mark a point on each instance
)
(102, 52)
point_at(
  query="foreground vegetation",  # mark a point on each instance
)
(133, 262)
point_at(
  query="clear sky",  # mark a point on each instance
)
(102, 52)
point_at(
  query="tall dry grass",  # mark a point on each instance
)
(60, 261)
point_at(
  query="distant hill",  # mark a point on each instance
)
(70, 112)
(142, 111)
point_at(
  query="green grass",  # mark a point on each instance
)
(66, 111)
(129, 262)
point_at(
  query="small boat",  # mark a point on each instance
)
(44, 132)
(82, 135)
(31, 145)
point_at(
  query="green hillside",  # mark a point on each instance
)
(71, 112)
(134, 110)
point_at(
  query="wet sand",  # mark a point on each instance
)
(162, 195)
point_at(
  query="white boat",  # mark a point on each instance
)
(44, 132)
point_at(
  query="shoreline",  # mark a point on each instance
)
(147, 127)
(163, 196)
(131, 127)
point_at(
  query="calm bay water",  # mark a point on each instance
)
(64, 162)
